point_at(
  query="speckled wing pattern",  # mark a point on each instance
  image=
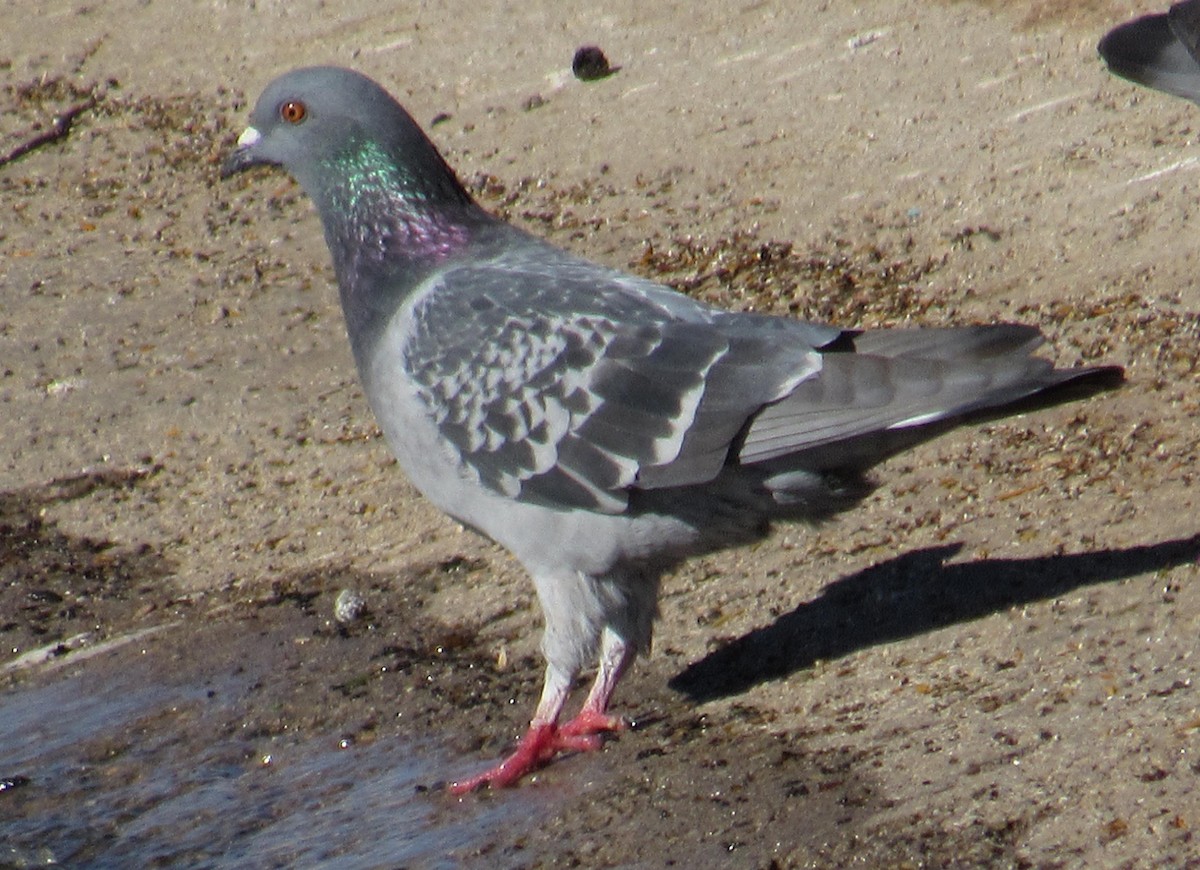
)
(568, 387)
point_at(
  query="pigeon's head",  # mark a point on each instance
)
(326, 124)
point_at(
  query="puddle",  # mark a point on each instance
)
(124, 762)
(235, 729)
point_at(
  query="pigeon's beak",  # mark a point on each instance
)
(244, 156)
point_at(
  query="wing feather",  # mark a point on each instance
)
(575, 389)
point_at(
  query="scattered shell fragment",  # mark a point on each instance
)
(349, 607)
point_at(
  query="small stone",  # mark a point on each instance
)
(591, 64)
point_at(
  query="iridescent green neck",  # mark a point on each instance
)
(381, 207)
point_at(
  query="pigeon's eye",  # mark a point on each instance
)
(293, 111)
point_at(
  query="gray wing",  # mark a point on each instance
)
(901, 379)
(1184, 19)
(570, 388)
(1159, 51)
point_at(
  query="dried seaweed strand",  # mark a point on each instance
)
(60, 127)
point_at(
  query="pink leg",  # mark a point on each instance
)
(593, 719)
(536, 746)
(544, 737)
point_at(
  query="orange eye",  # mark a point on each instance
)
(293, 111)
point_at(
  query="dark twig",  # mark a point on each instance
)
(59, 128)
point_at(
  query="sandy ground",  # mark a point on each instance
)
(990, 662)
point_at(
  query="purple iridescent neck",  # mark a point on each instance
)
(389, 222)
(378, 211)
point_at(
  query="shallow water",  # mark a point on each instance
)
(119, 767)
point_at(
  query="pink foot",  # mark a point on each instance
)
(535, 747)
(590, 722)
(540, 743)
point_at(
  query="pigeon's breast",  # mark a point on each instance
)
(593, 543)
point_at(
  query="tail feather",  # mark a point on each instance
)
(898, 388)
(951, 344)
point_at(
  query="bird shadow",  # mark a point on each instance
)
(906, 596)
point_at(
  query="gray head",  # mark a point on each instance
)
(324, 124)
(391, 207)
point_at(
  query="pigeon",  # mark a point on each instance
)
(599, 426)
(1159, 51)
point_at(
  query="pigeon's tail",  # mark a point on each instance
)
(1158, 51)
(894, 389)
